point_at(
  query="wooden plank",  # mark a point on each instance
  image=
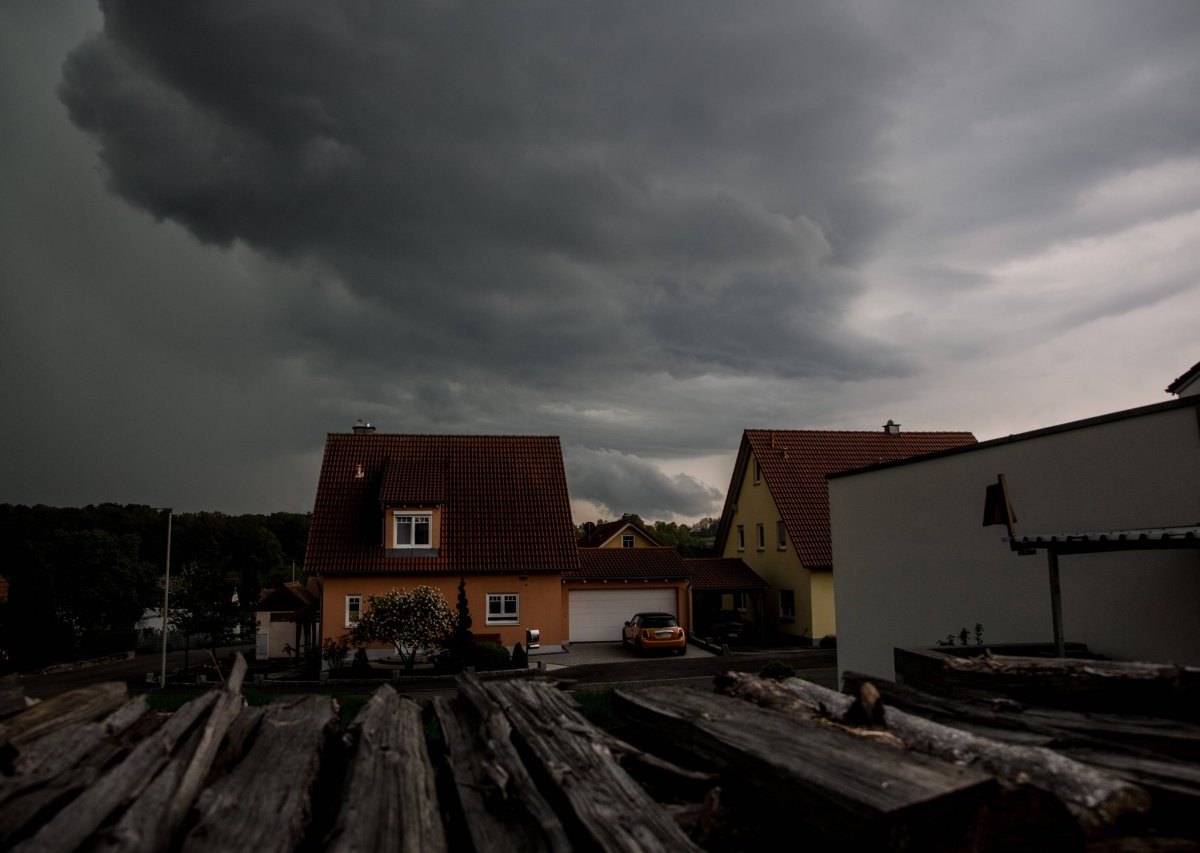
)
(389, 800)
(502, 809)
(54, 769)
(265, 802)
(1083, 684)
(664, 779)
(74, 706)
(151, 822)
(1011, 721)
(119, 786)
(1096, 798)
(843, 787)
(604, 801)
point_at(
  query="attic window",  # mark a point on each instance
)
(412, 529)
(757, 473)
(627, 541)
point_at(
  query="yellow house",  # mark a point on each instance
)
(625, 533)
(776, 515)
(395, 511)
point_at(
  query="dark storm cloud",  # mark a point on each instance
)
(642, 227)
(516, 186)
(617, 483)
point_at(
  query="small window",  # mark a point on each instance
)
(762, 538)
(741, 539)
(353, 610)
(739, 601)
(781, 535)
(757, 473)
(413, 530)
(503, 608)
(787, 604)
(627, 540)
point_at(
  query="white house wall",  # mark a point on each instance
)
(915, 563)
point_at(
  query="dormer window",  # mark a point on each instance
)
(413, 530)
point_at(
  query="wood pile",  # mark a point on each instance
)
(513, 765)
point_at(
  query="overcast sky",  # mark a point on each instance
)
(227, 229)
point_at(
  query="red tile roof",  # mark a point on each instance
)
(794, 464)
(601, 533)
(722, 573)
(291, 597)
(628, 563)
(503, 503)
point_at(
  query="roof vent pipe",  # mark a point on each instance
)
(891, 428)
(361, 427)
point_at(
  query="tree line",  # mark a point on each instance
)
(690, 540)
(80, 577)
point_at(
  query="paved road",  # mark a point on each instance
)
(818, 665)
(42, 686)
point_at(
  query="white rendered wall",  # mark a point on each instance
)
(915, 563)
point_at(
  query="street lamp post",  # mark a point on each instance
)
(162, 678)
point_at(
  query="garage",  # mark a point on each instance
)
(598, 614)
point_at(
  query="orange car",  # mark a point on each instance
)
(650, 631)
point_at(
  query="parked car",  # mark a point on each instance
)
(653, 632)
(725, 626)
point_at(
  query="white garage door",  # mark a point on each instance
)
(598, 614)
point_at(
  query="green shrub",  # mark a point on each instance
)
(520, 658)
(489, 656)
(777, 669)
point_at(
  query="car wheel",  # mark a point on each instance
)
(639, 648)
(683, 650)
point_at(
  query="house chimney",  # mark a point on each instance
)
(891, 428)
(361, 427)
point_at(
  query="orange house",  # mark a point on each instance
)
(396, 511)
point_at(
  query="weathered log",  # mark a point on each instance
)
(605, 802)
(1084, 684)
(665, 779)
(845, 788)
(119, 786)
(75, 706)
(265, 802)
(502, 806)
(1097, 799)
(54, 769)
(389, 800)
(1004, 719)
(153, 819)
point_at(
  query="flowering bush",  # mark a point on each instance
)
(410, 621)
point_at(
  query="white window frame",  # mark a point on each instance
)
(757, 472)
(427, 516)
(355, 597)
(628, 540)
(762, 537)
(786, 611)
(503, 599)
(781, 535)
(741, 537)
(738, 601)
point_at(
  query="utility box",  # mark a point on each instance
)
(533, 638)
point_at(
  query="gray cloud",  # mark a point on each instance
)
(618, 482)
(642, 228)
